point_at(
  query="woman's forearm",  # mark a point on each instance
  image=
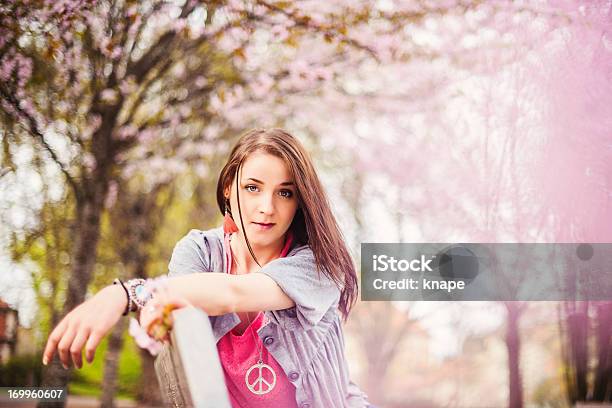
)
(221, 293)
(211, 292)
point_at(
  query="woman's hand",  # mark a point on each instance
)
(85, 326)
(156, 316)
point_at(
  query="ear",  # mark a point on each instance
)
(226, 192)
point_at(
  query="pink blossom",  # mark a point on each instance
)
(129, 170)
(126, 132)
(8, 108)
(212, 131)
(116, 53)
(179, 25)
(200, 82)
(27, 106)
(201, 170)
(322, 73)
(279, 32)
(184, 111)
(175, 166)
(108, 95)
(215, 103)
(111, 196)
(259, 89)
(67, 36)
(233, 38)
(128, 86)
(236, 5)
(105, 44)
(89, 161)
(95, 122)
(4, 38)
(6, 69)
(175, 120)
(146, 136)
(132, 10)
(143, 340)
(25, 70)
(179, 70)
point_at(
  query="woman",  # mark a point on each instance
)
(274, 279)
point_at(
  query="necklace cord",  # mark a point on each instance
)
(259, 348)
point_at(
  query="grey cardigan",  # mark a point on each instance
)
(306, 340)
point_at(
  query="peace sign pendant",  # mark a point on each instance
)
(256, 383)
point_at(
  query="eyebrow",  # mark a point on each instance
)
(286, 183)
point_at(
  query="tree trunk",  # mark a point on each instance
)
(111, 365)
(377, 373)
(578, 332)
(513, 343)
(54, 376)
(88, 232)
(149, 393)
(381, 317)
(89, 211)
(136, 219)
(602, 390)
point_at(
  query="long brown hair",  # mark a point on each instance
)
(314, 223)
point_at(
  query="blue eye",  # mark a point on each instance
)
(251, 187)
(286, 193)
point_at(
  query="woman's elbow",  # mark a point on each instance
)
(228, 305)
(227, 301)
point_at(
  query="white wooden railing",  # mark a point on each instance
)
(188, 370)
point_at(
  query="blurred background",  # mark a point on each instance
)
(429, 121)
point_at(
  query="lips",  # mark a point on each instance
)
(263, 226)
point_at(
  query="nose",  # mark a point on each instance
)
(266, 204)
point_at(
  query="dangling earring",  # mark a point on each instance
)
(229, 226)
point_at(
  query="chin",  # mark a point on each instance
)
(263, 238)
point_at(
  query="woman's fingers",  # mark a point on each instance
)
(54, 339)
(68, 339)
(149, 313)
(180, 302)
(76, 349)
(164, 296)
(160, 293)
(92, 342)
(63, 346)
(85, 326)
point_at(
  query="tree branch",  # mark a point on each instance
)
(34, 130)
(156, 53)
(306, 22)
(143, 21)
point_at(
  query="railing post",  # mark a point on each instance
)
(188, 370)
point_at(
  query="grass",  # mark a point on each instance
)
(88, 380)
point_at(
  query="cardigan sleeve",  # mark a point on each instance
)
(190, 255)
(312, 291)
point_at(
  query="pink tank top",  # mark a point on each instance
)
(238, 353)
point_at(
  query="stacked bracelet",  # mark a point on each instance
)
(138, 292)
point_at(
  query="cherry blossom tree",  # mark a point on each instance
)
(575, 183)
(482, 136)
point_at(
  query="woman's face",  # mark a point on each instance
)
(268, 199)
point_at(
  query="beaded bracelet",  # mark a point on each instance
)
(139, 292)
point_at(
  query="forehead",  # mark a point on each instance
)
(265, 167)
